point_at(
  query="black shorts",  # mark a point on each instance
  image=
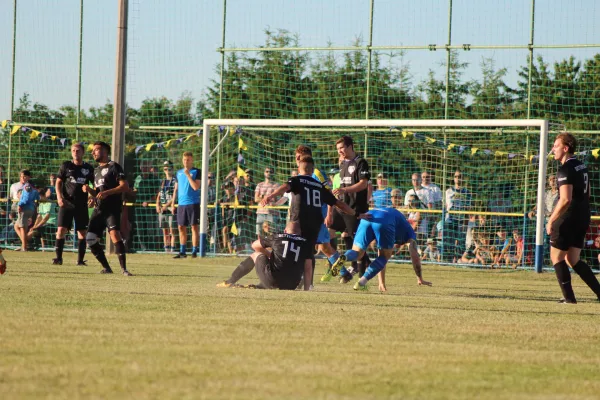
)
(80, 214)
(188, 214)
(310, 232)
(270, 279)
(569, 232)
(105, 219)
(344, 222)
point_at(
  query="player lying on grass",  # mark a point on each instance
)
(387, 226)
(280, 268)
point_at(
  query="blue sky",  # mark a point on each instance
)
(173, 43)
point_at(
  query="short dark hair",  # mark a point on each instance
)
(188, 154)
(568, 140)
(302, 149)
(307, 160)
(80, 145)
(347, 140)
(104, 145)
(26, 172)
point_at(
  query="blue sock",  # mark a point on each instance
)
(334, 258)
(351, 255)
(344, 271)
(182, 249)
(376, 266)
(195, 250)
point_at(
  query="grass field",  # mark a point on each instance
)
(169, 333)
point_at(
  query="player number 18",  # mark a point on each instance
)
(316, 197)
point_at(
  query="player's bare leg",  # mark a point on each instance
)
(381, 279)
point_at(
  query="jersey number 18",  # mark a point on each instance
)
(316, 197)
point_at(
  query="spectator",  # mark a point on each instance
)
(550, 199)
(435, 193)
(382, 197)
(24, 177)
(26, 208)
(288, 195)
(2, 184)
(51, 188)
(263, 189)
(423, 202)
(514, 257)
(397, 198)
(145, 187)
(458, 198)
(484, 252)
(211, 200)
(164, 201)
(9, 234)
(431, 253)
(244, 196)
(334, 177)
(414, 217)
(45, 220)
(503, 246)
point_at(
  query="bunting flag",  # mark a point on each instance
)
(139, 148)
(596, 153)
(474, 151)
(430, 140)
(15, 129)
(240, 159)
(234, 229)
(34, 134)
(4, 123)
(241, 144)
(149, 146)
(236, 203)
(90, 147)
(451, 146)
(240, 172)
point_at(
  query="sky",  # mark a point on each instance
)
(172, 44)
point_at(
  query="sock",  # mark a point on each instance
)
(242, 270)
(364, 264)
(182, 249)
(59, 246)
(314, 264)
(195, 250)
(167, 248)
(334, 258)
(98, 252)
(351, 255)
(120, 250)
(376, 266)
(564, 280)
(362, 281)
(81, 245)
(585, 273)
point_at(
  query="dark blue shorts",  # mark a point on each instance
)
(188, 214)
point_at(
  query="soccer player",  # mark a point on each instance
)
(281, 268)
(387, 226)
(187, 193)
(570, 219)
(109, 184)
(308, 197)
(72, 202)
(354, 189)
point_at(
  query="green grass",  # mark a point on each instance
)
(169, 333)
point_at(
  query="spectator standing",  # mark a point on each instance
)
(382, 197)
(458, 198)
(46, 218)
(424, 202)
(15, 188)
(50, 192)
(264, 189)
(145, 187)
(164, 202)
(27, 209)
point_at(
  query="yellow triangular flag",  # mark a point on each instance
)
(90, 147)
(242, 145)
(34, 134)
(596, 153)
(236, 203)
(500, 153)
(168, 142)
(451, 146)
(232, 129)
(240, 172)
(15, 129)
(188, 137)
(234, 229)
(149, 146)
(430, 140)
(405, 134)
(56, 137)
(4, 123)
(474, 150)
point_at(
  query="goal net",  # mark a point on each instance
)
(470, 188)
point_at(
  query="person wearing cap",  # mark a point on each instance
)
(334, 177)
(164, 201)
(431, 253)
(27, 208)
(382, 197)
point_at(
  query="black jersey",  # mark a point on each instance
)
(107, 177)
(574, 172)
(288, 255)
(351, 172)
(73, 177)
(309, 196)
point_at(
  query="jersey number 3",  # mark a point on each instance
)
(586, 182)
(316, 197)
(293, 248)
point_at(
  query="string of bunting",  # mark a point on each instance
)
(34, 134)
(467, 150)
(241, 162)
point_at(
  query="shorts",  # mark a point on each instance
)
(323, 236)
(383, 233)
(23, 218)
(166, 220)
(188, 214)
(66, 215)
(344, 222)
(569, 232)
(260, 218)
(262, 266)
(104, 219)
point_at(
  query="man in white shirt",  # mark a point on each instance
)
(24, 177)
(424, 199)
(436, 195)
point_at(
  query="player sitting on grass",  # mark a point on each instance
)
(387, 226)
(281, 268)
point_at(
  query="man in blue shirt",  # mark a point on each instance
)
(382, 197)
(26, 204)
(187, 195)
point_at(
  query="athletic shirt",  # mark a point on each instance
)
(73, 177)
(107, 177)
(167, 187)
(319, 177)
(574, 172)
(352, 172)
(308, 198)
(391, 216)
(288, 256)
(185, 194)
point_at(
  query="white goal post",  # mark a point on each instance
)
(539, 124)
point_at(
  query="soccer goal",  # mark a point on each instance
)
(485, 180)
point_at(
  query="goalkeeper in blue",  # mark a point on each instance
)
(388, 227)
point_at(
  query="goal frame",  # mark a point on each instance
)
(540, 124)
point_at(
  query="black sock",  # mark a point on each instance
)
(120, 250)
(314, 265)
(59, 246)
(564, 280)
(364, 264)
(242, 270)
(98, 252)
(585, 273)
(80, 250)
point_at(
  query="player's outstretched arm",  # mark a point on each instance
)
(416, 262)
(89, 190)
(278, 192)
(343, 207)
